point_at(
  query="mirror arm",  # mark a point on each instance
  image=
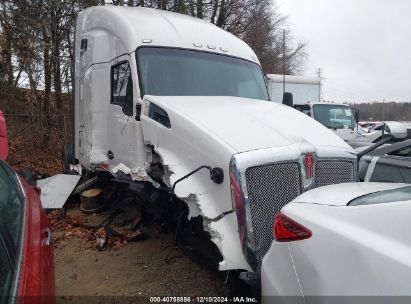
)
(375, 146)
(138, 111)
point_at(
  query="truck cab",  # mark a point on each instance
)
(181, 107)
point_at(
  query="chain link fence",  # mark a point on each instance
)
(37, 140)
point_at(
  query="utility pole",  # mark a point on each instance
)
(320, 77)
(284, 50)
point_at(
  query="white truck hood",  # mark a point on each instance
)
(342, 194)
(248, 124)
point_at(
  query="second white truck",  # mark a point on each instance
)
(339, 117)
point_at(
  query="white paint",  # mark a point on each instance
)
(56, 190)
(137, 174)
(342, 193)
(243, 124)
(113, 34)
(364, 139)
(125, 28)
(204, 130)
(396, 129)
(304, 89)
(371, 167)
(353, 250)
(208, 131)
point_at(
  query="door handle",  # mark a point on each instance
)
(48, 237)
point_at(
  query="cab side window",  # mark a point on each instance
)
(10, 203)
(404, 152)
(11, 215)
(6, 274)
(122, 87)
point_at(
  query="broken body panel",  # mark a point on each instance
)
(182, 133)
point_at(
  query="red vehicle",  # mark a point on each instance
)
(26, 249)
(4, 145)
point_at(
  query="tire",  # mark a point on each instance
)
(68, 158)
(239, 288)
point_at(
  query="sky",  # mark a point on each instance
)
(362, 46)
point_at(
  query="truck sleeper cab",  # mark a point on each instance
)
(160, 96)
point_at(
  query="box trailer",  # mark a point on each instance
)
(304, 89)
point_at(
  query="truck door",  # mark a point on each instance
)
(123, 129)
(81, 129)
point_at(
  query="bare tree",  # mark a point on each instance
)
(36, 44)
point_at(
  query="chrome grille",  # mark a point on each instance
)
(269, 188)
(333, 172)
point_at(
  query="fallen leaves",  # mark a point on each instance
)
(71, 226)
(26, 149)
(95, 238)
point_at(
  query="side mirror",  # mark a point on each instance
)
(138, 111)
(288, 99)
(398, 130)
(356, 114)
(394, 130)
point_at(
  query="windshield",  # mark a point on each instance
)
(334, 116)
(303, 108)
(177, 72)
(381, 197)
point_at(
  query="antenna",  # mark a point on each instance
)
(284, 59)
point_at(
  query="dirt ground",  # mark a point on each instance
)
(137, 269)
(130, 273)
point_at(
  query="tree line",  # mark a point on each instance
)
(36, 46)
(387, 111)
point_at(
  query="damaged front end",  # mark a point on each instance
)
(265, 180)
(260, 173)
(182, 216)
(217, 187)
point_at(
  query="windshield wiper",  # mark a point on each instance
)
(329, 127)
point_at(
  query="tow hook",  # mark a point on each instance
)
(251, 278)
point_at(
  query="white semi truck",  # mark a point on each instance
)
(181, 108)
(339, 117)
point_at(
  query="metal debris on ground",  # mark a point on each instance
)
(99, 237)
(91, 201)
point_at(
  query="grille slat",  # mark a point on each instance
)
(270, 187)
(333, 172)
